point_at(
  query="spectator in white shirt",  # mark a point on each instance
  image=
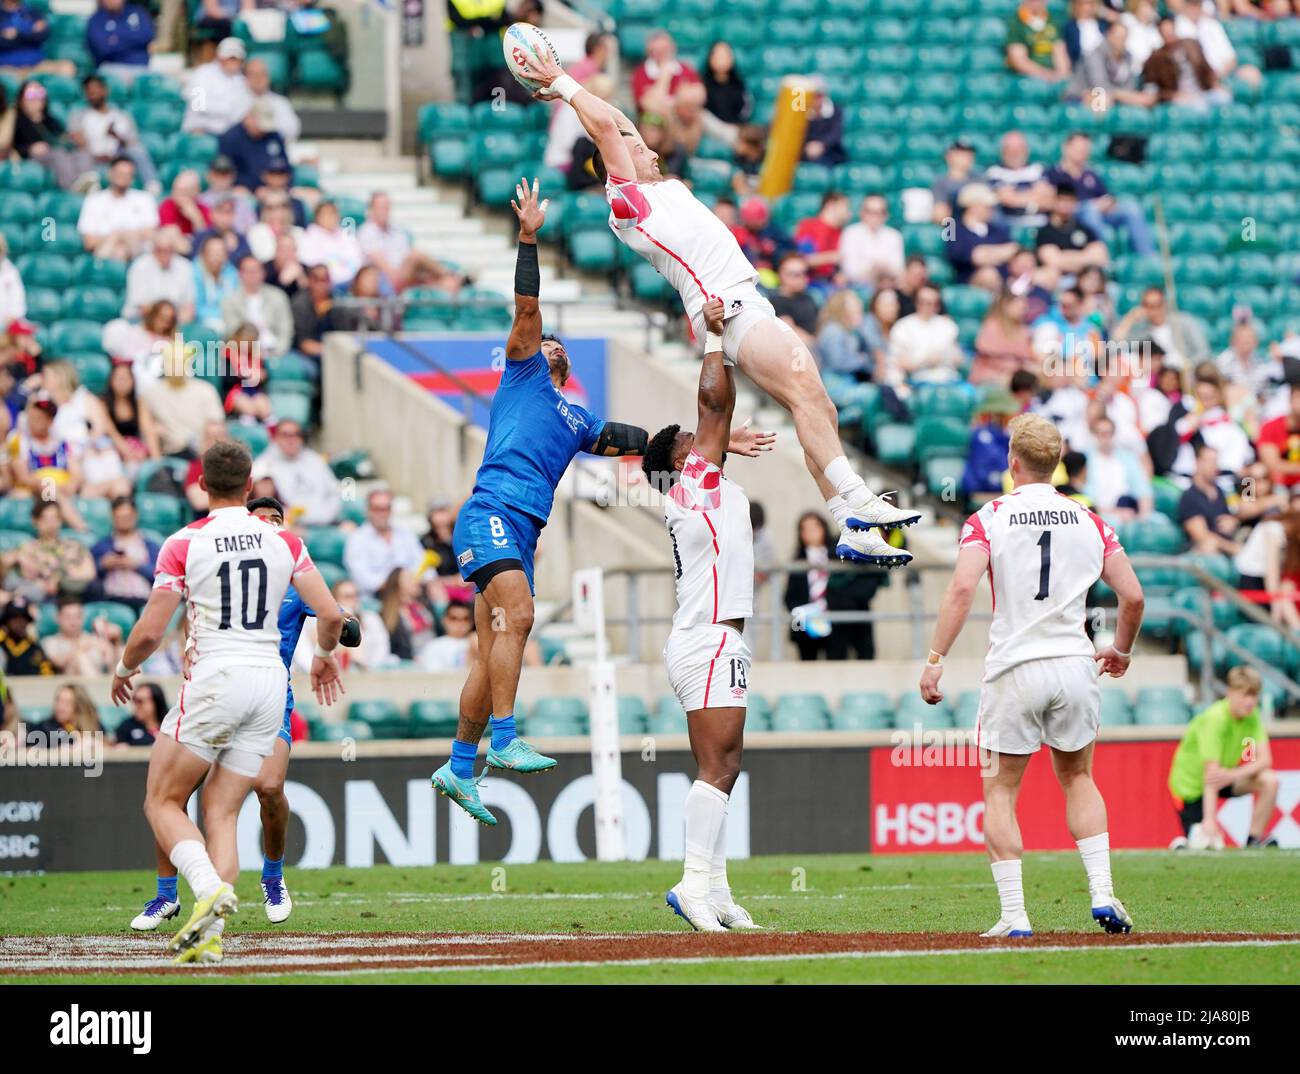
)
(116, 223)
(217, 92)
(106, 132)
(1209, 419)
(1117, 483)
(871, 249)
(265, 308)
(388, 248)
(304, 480)
(1142, 21)
(286, 123)
(162, 273)
(377, 548)
(1199, 23)
(326, 243)
(450, 652)
(923, 345)
(13, 296)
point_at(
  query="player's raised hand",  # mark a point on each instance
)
(1112, 663)
(532, 215)
(121, 689)
(930, 692)
(543, 68)
(713, 315)
(749, 442)
(326, 682)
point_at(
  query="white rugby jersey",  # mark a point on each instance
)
(713, 545)
(1045, 552)
(671, 228)
(233, 570)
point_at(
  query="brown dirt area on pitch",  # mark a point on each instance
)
(302, 953)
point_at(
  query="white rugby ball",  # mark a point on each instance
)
(521, 43)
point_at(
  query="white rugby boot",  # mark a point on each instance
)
(698, 913)
(1013, 928)
(155, 912)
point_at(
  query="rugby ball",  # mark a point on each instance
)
(522, 42)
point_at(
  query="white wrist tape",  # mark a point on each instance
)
(566, 86)
(124, 672)
(322, 652)
(712, 343)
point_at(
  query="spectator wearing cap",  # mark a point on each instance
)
(661, 63)
(225, 213)
(1065, 242)
(871, 250)
(1097, 206)
(182, 405)
(818, 237)
(284, 120)
(275, 187)
(1035, 47)
(764, 244)
(43, 460)
(959, 158)
(160, 274)
(184, 208)
(327, 243)
(221, 182)
(116, 223)
(124, 560)
(377, 548)
(104, 131)
(118, 36)
(1021, 187)
(388, 248)
(23, 653)
(252, 144)
(49, 565)
(217, 92)
(304, 480)
(981, 245)
(263, 307)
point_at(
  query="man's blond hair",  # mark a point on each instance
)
(1246, 679)
(1036, 442)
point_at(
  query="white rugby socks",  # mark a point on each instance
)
(840, 474)
(1095, 852)
(191, 858)
(1011, 887)
(706, 809)
(719, 888)
(839, 509)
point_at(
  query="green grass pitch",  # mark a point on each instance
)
(1235, 892)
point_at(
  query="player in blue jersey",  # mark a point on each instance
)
(533, 435)
(269, 785)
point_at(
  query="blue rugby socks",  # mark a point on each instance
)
(272, 870)
(167, 888)
(503, 731)
(462, 759)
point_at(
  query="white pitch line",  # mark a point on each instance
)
(806, 957)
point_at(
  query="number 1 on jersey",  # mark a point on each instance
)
(1044, 564)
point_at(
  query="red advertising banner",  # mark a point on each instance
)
(920, 805)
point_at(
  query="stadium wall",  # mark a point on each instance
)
(371, 805)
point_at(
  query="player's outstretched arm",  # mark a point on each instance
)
(1117, 572)
(603, 123)
(145, 637)
(717, 392)
(526, 333)
(972, 562)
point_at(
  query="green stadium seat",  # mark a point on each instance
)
(12, 539)
(383, 717)
(339, 732)
(92, 304)
(941, 436)
(912, 712)
(121, 615)
(433, 719)
(965, 714)
(326, 543)
(320, 72)
(594, 251)
(895, 443)
(668, 717)
(800, 712)
(633, 716)
(863, 711)
(1115, 708)
(254, 436)
(942, 475)
(1265, 642)
(51, 271)
(97, 515)
(95, 272)
(25, 177)
(290, 405)
(160, 512)
(80, 336)
(1161, 706)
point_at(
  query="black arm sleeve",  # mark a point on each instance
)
(623, 439)
(528, 277)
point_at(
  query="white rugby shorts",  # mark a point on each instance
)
(708, 667)
(1054, 700)
(230, 716)
(743, 307)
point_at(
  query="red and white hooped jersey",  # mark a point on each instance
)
(677, 233)
(713, 545)
(1045, 552)
(233, 570)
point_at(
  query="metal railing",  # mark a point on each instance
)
(769, 628)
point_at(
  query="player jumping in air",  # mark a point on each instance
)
(234, 570)
(269, 785)
(665, 223)
(533, 435)
(707, 656)
(1042, 551)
